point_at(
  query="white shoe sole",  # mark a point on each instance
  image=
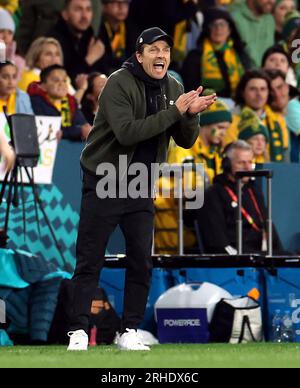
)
(77, 349)
(147, 349)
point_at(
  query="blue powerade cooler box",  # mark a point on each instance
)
(183, 312)
(236, 281)
(283, 293)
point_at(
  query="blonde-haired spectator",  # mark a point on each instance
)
(42, 53)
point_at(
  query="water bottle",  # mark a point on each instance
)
(277, 327)
(288, 330)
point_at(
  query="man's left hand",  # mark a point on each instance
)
(202, 102)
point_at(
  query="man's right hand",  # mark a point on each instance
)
(96, 50)
(185, 100)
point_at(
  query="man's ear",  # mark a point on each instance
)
(139, 57)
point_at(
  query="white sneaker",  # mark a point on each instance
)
(130, 340)
(79, 340)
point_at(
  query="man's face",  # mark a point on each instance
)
(155, 59)
(217, 132)
(280, 94)
(8, 80)
(116, 10)
(79, 14)
(56, 85)
(264, 6)
(242, 161)
(258, 144)
(256, 93)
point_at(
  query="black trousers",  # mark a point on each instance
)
(98, 219)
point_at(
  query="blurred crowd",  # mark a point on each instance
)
(60, 54)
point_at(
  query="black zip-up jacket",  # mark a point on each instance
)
(122, 123)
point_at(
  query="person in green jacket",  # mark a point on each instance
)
(140, 108)
(39, 17)
(256, 26)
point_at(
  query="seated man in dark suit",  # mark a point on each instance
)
(217, 218)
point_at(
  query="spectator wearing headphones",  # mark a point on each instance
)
(217, 218)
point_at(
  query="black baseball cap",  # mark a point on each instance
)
(153, 35)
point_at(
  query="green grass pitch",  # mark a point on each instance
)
(161, 356)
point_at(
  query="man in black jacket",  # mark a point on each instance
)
(83, 52)
(217, 218)
(140, 108)
(40, 16)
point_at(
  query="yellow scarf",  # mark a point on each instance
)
(279, 136)
(210, 156)
(10, 104)
(117, 39)
(63, 107)
(211, 73)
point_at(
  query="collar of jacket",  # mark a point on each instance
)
(224, 180)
